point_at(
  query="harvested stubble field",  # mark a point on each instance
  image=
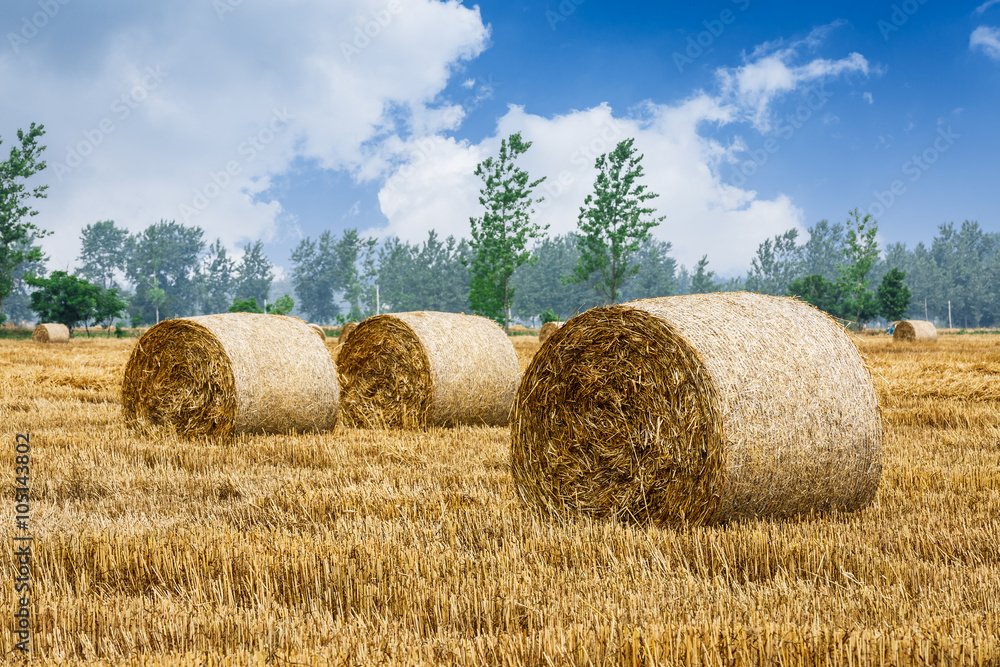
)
(366, 547)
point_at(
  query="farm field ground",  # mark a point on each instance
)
(366, 547)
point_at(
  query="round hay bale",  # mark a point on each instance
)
(411, 370)
(219, 375)
(345, 332)
(703, 408)
(318, 329)
(548, 329)
(909, 331)
(50, 333)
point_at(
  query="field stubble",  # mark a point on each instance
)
(409, 547)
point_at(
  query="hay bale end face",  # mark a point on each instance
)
(219, 375)
(50, 333)
(702, 409)
(548, 329)
(345, 332)
(910, 331)
(411, 370)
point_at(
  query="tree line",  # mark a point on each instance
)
(510, 268)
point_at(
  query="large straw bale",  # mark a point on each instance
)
(50, 333)
(548, 329)
(410, 370)
(702, 408)
(224, 374)
(910, 331)
(345, 332)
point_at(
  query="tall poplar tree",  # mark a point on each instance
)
(613, 222)
(500, 236)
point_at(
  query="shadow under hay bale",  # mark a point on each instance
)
(909, 331)
(410, 370)
(703, 408)
(50, 333)
(548, 329)
(345, 332)
(219, 375)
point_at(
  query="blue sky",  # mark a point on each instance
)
(280, 120)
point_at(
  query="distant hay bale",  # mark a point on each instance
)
(219, 375)
(910, 331)
(345, 332)
(51, 333)
(410, 370)
(703, 408)
(548, 329)
(318, 329)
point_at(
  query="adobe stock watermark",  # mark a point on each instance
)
(223, 7)
(32, 24)
(121, 108)
(370, 29)
(901, 13)
(913, 169)
(583, 158)
(697, 44)
(423, 149)
(248, 150)
(785, 129)
(566, 9)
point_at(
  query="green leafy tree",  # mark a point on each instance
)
(703, 281)
(500, 236)
(777, 263)
(63, 298)
(539, 285)
(155, 296)
(218, 279)
(613, 222)
(893, 296)
(165, 256)
(860, 304)
(352, 280)
(245, 306)
(658, 276)
(315, 277)
(108, 306)
(104, 252)
(547, 316)
(824, 251)
(254, 273)
(17, 305)
(427, 276)
(15, 209)
(826, 295)
(282, 306)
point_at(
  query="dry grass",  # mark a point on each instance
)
(547, 330)
(410, 547)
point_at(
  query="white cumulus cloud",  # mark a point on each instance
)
(986, 39)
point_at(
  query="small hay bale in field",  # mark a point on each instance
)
(703, 408)
(910, 331)
(345, 332)
(219, 375)
(548, 329)
(51, 333)
(318, 329)
(410, 370)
